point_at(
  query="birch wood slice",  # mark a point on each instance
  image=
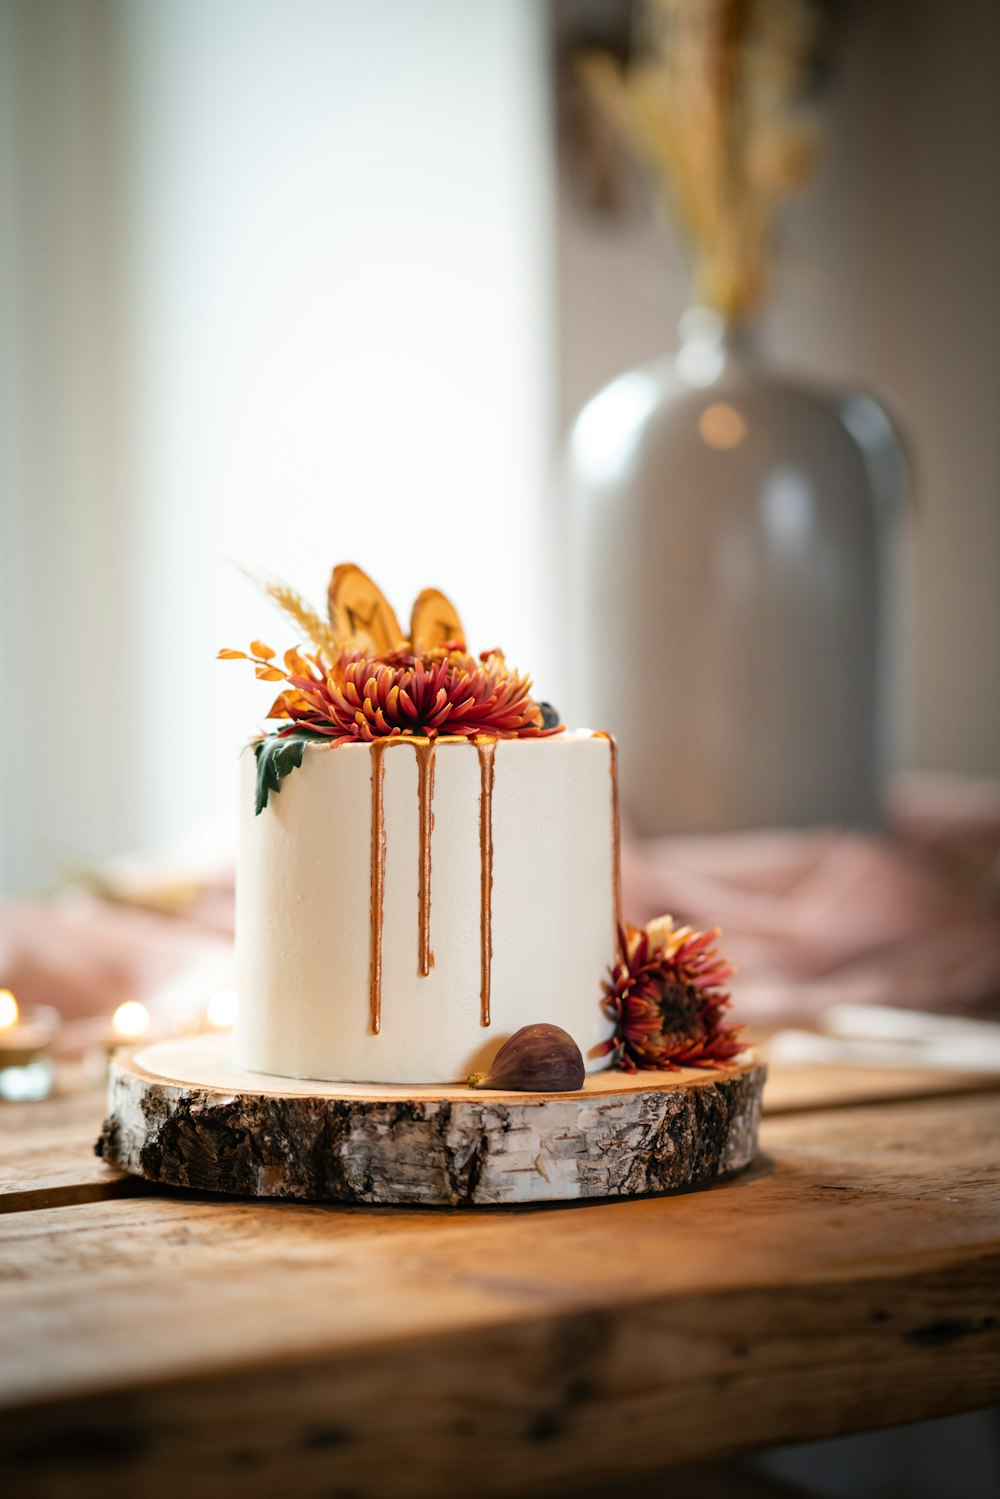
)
(181, 1113)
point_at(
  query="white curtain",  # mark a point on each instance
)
(274, 288)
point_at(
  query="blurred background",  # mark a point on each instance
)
(291, 284)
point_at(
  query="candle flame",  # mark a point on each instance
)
(130, 1020)
(221, 1009)
(8, 1010)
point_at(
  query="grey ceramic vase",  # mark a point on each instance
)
(732, 539)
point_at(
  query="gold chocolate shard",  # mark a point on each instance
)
(433, 622)
(359, 608)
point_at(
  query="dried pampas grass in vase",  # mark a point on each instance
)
(733, 524)
(718, 102)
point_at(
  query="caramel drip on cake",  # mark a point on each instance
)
(378, 749)
(616, 839)
(486, 749)
(425, 793)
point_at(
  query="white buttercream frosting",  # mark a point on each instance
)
(304, 910)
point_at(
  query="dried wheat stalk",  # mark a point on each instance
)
(314, 628)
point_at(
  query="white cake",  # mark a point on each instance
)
(403, 907)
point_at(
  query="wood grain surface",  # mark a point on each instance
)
(167, 1342)
(797, 1087)
(47, 1153)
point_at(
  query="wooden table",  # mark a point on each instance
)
(159, 1343)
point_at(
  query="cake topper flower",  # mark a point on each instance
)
(441, 691)
(666, 997)
(364, 679)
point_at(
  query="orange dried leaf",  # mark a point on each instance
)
(263, 651)
(291, 704)
(228, 655)
(296, 664)
(270, 674)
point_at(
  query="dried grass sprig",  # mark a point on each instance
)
(318, 631)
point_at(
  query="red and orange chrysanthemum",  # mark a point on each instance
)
(444, 691)
(667, 998)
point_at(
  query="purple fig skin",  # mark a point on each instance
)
(535, 1059)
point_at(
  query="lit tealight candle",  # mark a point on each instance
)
(221, 1010)
(130, 1022)
(23, 1037)
(9, 1012)
(25, 1069)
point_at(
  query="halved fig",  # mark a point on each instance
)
(535, 1059)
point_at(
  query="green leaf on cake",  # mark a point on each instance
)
(277, 756)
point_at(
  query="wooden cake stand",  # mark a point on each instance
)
(181, 1113)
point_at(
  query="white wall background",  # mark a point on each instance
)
(274, 287)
